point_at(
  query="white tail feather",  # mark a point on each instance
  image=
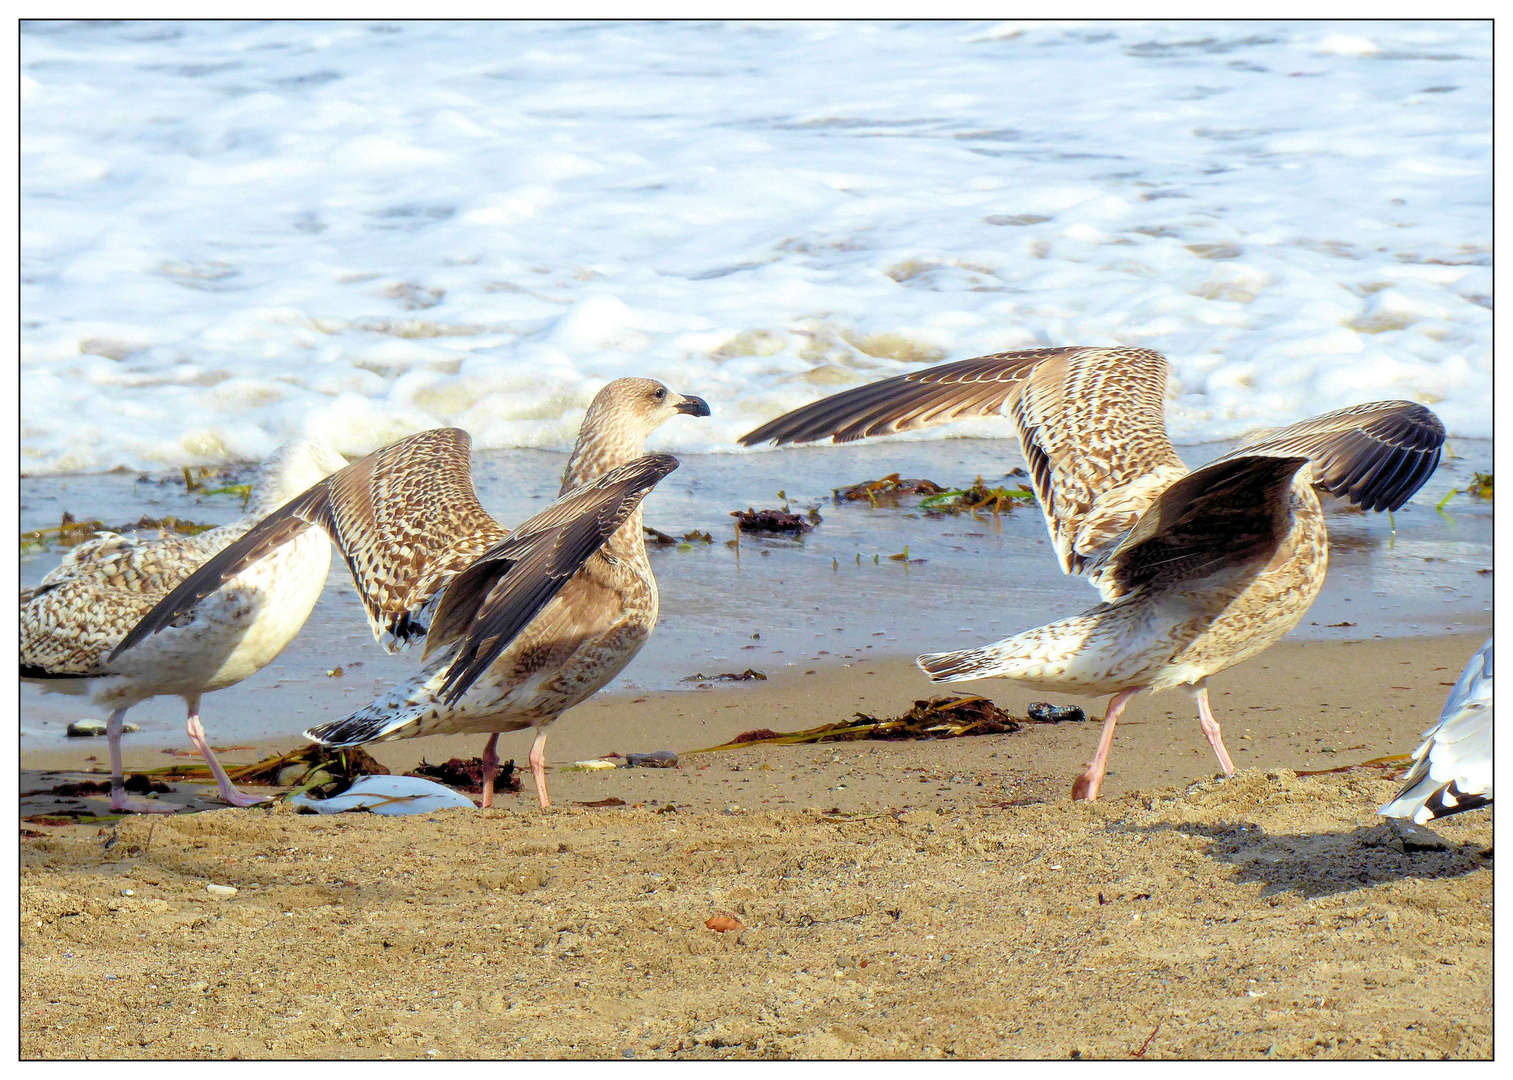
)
(1100, 651)
(981, 663)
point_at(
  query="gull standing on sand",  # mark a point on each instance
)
(1198, 570)
(519, 626)
(1452, 769)
(73, 622)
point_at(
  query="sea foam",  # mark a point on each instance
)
(234, 232)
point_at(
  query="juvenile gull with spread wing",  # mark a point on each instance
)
(74, 621)
(1198, 570)
(519, 625)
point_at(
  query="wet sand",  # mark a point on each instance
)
(898, 899)
(784, 605)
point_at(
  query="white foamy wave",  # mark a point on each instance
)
(233, 232)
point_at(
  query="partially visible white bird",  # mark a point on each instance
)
(1452, 770)
(82, 611)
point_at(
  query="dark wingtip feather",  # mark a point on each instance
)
(1377, 454)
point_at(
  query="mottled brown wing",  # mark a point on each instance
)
(495, 598)
(68, 626)
(89, 602)
(1376, 455)
(1229, 513)
(406, 518)
(1092, 425)
(938, 395)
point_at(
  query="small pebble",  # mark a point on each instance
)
(128, 892)
(221, 890)
(86, 728)
(1043, 712)
(657, 759)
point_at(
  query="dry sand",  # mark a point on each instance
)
(914, 899)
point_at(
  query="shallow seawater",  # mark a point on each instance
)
(779, 602)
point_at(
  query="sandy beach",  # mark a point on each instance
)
(895, 899)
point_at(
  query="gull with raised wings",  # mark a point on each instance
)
(1198, 570)
(519, 625)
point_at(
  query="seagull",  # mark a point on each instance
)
(1197, 570)
(73, 622)
(1452, 770)
(518, 626)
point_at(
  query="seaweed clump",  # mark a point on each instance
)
(466, 774)
(71, 532)
(771, 521)
(947, 717)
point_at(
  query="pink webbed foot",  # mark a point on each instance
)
(123, 803)
(241, 798)
(226, 789)
(1085, 787)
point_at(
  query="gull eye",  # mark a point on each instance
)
(659, 393)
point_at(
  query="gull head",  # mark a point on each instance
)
(620, 418)
(295, 466)
(640, 406)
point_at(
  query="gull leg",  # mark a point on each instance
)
(538, 767)
(1086, 786)
(1211, 728)
(490, 770)
(119, 800)
(229, 793)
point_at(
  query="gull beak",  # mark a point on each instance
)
(693, 406)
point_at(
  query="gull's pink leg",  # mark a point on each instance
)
(119, 800)
(490, 770)
(1086, 786)
(229, 793)
(1211, 728)
(538, 767)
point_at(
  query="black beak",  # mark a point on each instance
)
(693, 406)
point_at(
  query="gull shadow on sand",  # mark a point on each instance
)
(1314, 864)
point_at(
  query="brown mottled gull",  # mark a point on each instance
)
(1198, 570)
(73, 622)
(519, 626)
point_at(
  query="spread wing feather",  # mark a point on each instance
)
(919, 399)
(1376, 455)
(1092, 425)
(1230, 513)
